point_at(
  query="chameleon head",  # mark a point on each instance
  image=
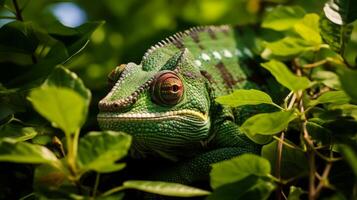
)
(163, 103)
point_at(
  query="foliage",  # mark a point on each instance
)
(46, 110)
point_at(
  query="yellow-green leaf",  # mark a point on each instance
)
(308, 28)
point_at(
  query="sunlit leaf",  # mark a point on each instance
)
(238, 168)
(330, 79)
(268, 123)
(23, 152)
(308, 28)
(62, 77)
(165, 188)
(61, 106)
(283, 17)
(285, 48)
(98, 151)
(250, 187)
(337, 97)
(285, 77)
(245, 97)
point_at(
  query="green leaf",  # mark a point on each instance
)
(341, 11)
(23, 152)
(62, 77)
(336, 97)
(283, 17)
(293, 161)
(336, 36)
(243, 97)
(346, 109)
(295, 193)
(61, 106)
(165, 188)
(249, 188)
(308, 28)
(75, 39)
(285, 77)
(17, 132)
(98, 151)
(47, 176)
(330, 79)
(348, 79)
(238, 168)
(285, 48)
(350, 156)
(268, 123)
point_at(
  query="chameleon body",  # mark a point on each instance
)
(167, 101)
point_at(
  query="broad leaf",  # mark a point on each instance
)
(243, 97)
(341, 11)
(98, 151)
(23, 152)
(283, 17)
(336, 97)
(75, 39)
(293, 161)
(348, 79)
(17, 132)
(330, 79)
(238, 168)
(268, 123)
(336, 36)
(285, 48)
(249, 188)
(165, 188)
(61, 106)
(62, 77)
(308, 28)
(47, 176)
(285, 77)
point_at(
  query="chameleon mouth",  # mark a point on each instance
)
(153, 116)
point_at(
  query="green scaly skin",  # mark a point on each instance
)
(167, 101)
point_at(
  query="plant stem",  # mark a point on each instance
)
(279, 191)
(96, 184)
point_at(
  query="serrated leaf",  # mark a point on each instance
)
(243, 97)
(268, 123)
(249, 188)
(348, 79)
(99, 151)
(23, 152)
(61, 106)
(285, 77)
(285, 48)
(238, 168)
(308, 28)
(337, 97)
(283, 17)
(341, 12)
(293, 161)
(165, 188)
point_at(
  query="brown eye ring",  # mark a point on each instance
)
(167, 88)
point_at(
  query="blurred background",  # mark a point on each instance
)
(132, 26)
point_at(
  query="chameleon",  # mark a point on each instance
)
(167, 102)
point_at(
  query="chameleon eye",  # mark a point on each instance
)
(167, 88)
(114, 75)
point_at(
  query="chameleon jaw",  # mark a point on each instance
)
(153, 116)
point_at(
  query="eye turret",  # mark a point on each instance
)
(114, 75)
(167, 88)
